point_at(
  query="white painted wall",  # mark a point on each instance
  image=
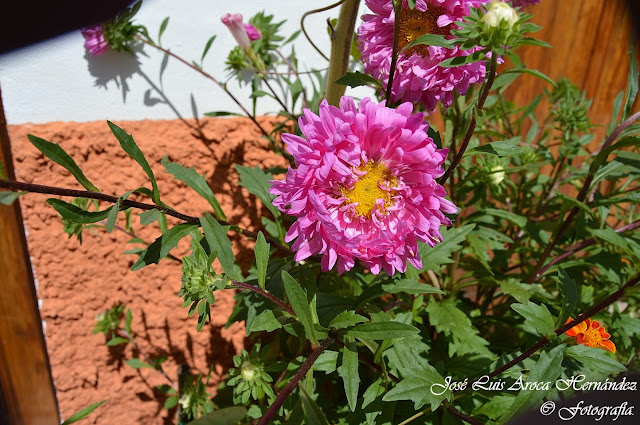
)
(56, 80)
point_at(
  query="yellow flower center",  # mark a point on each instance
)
(592, 337)
(366, 191)
(414, 24)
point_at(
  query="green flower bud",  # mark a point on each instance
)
(496, 174)
(498, 13)
(248, 370)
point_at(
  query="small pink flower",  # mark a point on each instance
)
(95, 41)
(252, 32)
(238, 30)
(364, 187)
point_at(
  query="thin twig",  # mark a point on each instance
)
(461, 415)
(59, 191)
(311, 12)
(265, 294)
(291, 385)
(277, 98)
(394, 51)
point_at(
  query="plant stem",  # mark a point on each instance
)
(210, 77)
(461, 415)
(277, 98)
(397, 6)
(51, 190)
(472, 124)
(581, 318)
(341, 50)
(282, 397)
(265, 294)
(311, 12)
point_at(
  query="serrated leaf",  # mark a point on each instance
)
(137, 363)
(266, 321)
(312, 413)
(382, 330)
(496, 407)
(55, 153)
(195, 181)
(225, 416)
(536, 316)
(81, 414)
(348, 371)
(434, 258)
(261, 251)
(357, 79)
(347, 319)
(594, 358)
(298, 300)
(216, 236)
(130, 147)
(160, 248)
(420, 387)
(76, 214)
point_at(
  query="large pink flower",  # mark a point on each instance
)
(95, 41)
(364, 187)
(418, 78)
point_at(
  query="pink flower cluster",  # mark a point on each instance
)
(418, 77)
(364, 187)
(95, 42)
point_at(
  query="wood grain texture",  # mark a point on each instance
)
(25, 377)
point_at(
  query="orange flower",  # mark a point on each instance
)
(591, 334)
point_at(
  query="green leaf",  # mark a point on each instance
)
(163, 26)
(420, 387)
(633, 81)
(382, 330)
(195, 181)
(160, 248)
(464, 60)
(55, 153)
(266, 321)
(430, 40)
(7, 198)
(81, 414)
(546, 370)
(76, 214)
(410, 286)
(434, 258)
(207, 47)
(130, 147)
(150, 216)
(533, 72)
(298, 300)
(537, 317)
(327, 362)
(453, 322)
(503, 148)
(117, 341)
(222, 114)
(217, 239)
(516, 219)
(357, 79)
(496, 407)
(348, 371)
(312, 413)
(574, 203)
(257, 183)
(570, 292)
(594, 358)
(137, 364)
(225, 416)
(347, 319)
(171, 402)
(261, 251)
(127, 322)
(411, 4)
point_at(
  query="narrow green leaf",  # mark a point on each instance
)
(171, 402)
(222, 114)
(261, 251)
(160, 248)
(313, 415)
(117, 341)
(348, 371)
(217, 239)
(130, 147)
(136, 363)
(76, 214)
(163, 26)
(55, 153)
(298, 300)
(570, 292)
(382, 330)
(502, 148)
(7, 198)
(225, 416)
(257, 183)
(127, 322)
(207, 47)
(633, 81)
(533, 72)
(536, 316)
(347, 319)
(148, 217)
(195, 181)
(575, 203)
(410, 286)
(516, 219)
(81, 414)
(357, 79)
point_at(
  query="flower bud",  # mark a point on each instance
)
(248, 370)
(238, 30)
(252, 32)
(499, 12)
(94, 40)
(496, 174)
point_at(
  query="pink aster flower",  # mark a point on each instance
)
(252, 32)
(418, 78)
(523, 3)
(238, 30)
(364, 187)
(95, 41)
